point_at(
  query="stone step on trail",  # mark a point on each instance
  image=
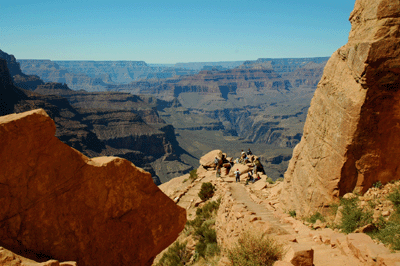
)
(242, 196)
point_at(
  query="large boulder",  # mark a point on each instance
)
(208, 159)
(352, 134)
(57, 203)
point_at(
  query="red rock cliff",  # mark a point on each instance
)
(58, 203)
(352, 134)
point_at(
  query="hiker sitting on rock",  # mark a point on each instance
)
(249, 152)
(237, 175)
(246, 160)
(249, 178)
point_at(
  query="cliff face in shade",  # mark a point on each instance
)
(57, 203)
(28, 82)
(352, 134)
(130, 127)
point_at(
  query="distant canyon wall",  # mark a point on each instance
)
(352, 134)
(103, 123)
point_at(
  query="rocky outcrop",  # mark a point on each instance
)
(351, 133)
(208, 160)
(8, 258)
(57, 203)
(69, 127)
(20, 79)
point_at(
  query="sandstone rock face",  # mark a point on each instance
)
(351, 135)
(8, 258)
(208, 159)
(57, 203)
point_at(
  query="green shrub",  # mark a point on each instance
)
(270, 181)
(372, 204)
(193, 175)
(280, 179)
(388, 231)
(254, 249)
(292, 213)
(203, 231)
(394, 197)
(207, 238)
(207, 191)
(377, 184)
(204, 214)
(353, 216)
(316, 216)
(176, 255)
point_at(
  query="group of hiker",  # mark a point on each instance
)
(245, 158)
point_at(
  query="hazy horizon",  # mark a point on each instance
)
(160, 32)
(196, 62)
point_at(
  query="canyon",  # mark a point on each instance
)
(144, 141)
(346, 154)
(250, 106)
(259, 104)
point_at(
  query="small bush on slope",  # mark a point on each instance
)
(193, 175)
(353, 216)
(207, 191)
(203, 231)
(316, 216)
(389, 231)
(254, 249)
(394, 197)
(176, 255)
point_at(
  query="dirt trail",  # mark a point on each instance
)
(252, 206)
(324, 254)
(242, 196)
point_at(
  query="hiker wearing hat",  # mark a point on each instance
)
(237, 175)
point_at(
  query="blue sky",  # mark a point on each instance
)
(173, 31)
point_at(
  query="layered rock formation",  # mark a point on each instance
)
(351, 135)
(20, 79)
(57, 203)
(70, 128)
(50, 71)
(106, 123)
(97, 75)
(129, 126)
(240, 102)
(251, 104)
